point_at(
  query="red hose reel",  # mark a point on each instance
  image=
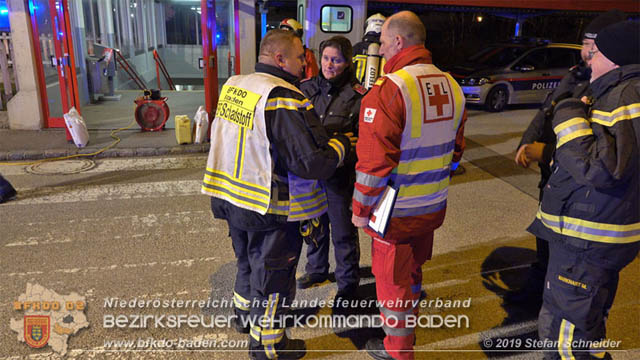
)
(152, 111)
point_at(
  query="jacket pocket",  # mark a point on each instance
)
(577, 291)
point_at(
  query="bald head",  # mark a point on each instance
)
(400, 31)
(408, 25)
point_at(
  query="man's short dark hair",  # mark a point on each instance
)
(277, 40)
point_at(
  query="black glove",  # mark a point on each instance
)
(311, 231)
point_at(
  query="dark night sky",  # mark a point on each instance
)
(453, 34)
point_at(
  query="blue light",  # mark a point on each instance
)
(4, 16)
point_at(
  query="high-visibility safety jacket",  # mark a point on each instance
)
(307, 199)
(241, 171)
(408, 129)
(592, 200)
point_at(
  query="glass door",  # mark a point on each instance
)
(54, 54)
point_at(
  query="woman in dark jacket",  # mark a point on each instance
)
(336, 97)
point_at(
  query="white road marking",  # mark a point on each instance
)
(69, 194)
(178, 215)
(90, 269)
(130, 164)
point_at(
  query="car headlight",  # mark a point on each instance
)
(474, 81)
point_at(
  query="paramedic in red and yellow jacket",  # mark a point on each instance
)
(411, 126)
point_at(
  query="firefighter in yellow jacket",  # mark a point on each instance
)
(264, 131)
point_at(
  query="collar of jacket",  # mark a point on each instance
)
(416, 54)
(581, 71)
(602, 84)
(346, 78)
(272, 70)
(321, 84)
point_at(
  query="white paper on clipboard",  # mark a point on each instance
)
(381, 215)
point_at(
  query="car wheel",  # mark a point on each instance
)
(497, 99)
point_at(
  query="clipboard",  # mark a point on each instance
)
(381, 215)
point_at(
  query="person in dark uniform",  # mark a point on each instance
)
(7, 192)
(590, 212)
(336, 96)
(539, 141)
(264, 129)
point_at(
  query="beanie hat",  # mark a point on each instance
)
(341, 43)
(601, 21)
(620, 42)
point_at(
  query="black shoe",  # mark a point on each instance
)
(349, 292)
(241, 321)
(310, 280)
(459, 171)
(344, 299)
(242, 329)
(607, 356)
(7, 192)
(294, 349)
(375, 349)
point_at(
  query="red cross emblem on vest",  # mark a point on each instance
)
(437, 97)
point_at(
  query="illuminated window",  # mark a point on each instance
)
(336, 19)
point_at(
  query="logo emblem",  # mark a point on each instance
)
(36, 330)
(437, 96)
(369, 114)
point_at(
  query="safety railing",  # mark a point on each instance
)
(133, 74)
(161, 68)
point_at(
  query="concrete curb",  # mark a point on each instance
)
(19, 155)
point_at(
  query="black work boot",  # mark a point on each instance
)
(293, 349)
(240, 322)
(310, 280)
(375, 349)
(7, 192)
(346, 301)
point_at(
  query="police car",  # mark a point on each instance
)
(514, 73)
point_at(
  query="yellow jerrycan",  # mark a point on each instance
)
(183, 129)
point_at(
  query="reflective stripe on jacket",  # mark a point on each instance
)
(592, 198)
(392, 147)
(241, 171)
(434, 105)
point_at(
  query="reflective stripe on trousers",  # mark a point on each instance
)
(398, 272)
